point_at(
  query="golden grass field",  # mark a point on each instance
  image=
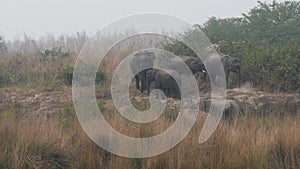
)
(58, 141)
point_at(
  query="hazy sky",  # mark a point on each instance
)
(39, 17)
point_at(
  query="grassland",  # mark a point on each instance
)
(58, 141)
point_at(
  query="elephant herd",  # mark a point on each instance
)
(169, 81)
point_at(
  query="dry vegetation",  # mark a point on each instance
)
(60, 142)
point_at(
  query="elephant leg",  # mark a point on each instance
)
(172, 93)
(165, 93)
(156, 86)
(143, 80)
(137, 82)
(168, 92)
(177, 94)
(148, 88)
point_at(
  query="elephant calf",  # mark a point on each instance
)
(165, 81)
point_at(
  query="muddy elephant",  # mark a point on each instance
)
(230, 64)
(165, 81)
(141, 62)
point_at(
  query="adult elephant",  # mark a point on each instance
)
(141, 62)
(165, 81)
(194, 63)
(230, 64)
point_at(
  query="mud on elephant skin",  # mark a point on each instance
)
(141, 62)
(165, 81)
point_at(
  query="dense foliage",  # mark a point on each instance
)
(275, 68)
(266, 39)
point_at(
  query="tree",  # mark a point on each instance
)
(228, 29)
(266, 40)
(268, 23)
(3, 46)
(273, 23)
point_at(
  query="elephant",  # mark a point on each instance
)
(141, 62)
(165, 81)
(195, 64)
(230, 64)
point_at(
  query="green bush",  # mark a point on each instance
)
(266, 40)
(179, 48)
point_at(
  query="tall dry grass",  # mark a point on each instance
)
(249, 142)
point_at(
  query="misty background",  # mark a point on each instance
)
(37, 18)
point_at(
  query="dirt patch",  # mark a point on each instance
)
(248, 99)
(33, 101)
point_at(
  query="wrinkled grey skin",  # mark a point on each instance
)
(142, 59)
(165, 81)
(195, 64)
(230, 64)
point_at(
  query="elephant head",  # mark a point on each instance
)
(141, 62)
(145, 59)
(195, 64)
